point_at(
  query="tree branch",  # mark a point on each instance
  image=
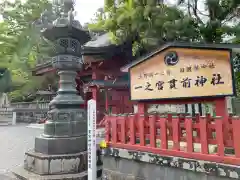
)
(194, 8)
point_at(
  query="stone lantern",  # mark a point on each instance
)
(62, 148)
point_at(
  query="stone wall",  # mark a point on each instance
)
(32, 116)
(26, 112)
(30, 112)
(122, 164)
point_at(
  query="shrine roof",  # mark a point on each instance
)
(233, 47)
(101, 45)
(99, 41)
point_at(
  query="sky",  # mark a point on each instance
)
(86, 8)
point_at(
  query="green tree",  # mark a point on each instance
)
(150, 23)
(217, 20)
(146, 22)
(20, 42)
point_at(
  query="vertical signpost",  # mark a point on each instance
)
(92, 156)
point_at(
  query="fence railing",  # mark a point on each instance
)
(31, 105)
(26, 112)
(204, 138)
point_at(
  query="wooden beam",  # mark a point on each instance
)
(43, 71)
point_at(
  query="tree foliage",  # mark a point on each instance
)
(216, 20)
(150, 23)
(146, 22)
(20, 42)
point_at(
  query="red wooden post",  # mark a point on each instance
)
(197, 121)
(106, 96)
(107, 128)
(114, 129)
(163, 133)
(141, 108)
(106, 100)
(169, 120)
(141, 123)
(221, 110)
(121, 102)
(141, 129)
(236, 135)
(176, 132)
(203, 135)
(152, 129)
(132, 133)
(209, 131)
(189, 134)
(229, 128)
(123, 129)
(219, 135)
(117, 96)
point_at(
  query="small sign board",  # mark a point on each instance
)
(183, 73)
(92, 154)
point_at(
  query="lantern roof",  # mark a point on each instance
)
(64, 25)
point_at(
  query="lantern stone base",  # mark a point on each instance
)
(23, 174)
(68, 145)
(40, 166)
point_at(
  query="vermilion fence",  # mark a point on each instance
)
(204, 138)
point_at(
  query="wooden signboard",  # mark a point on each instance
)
(183, 73)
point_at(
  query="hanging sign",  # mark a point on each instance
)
(92, 155)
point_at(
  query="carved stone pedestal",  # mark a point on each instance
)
(68, 145)
(55, 164)
(40, 166)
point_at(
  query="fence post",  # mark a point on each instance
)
(114, 129)
(203, 134)
(152, 129)
(163, 133)
(219, 135)
(175, 132)
(123, 128)
(189, 134)
(14, 117)
(236, 135)
(133, 120)
(141, 126)
(107, 128)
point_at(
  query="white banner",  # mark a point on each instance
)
(92, 155)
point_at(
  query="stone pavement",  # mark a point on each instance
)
(14, 142)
